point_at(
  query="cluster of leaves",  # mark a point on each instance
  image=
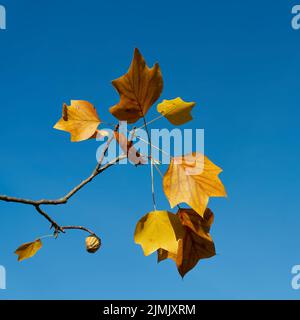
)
(183, 237)
(191, 179)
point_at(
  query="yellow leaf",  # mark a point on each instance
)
(28, 250)
(192, 179)
(158, 229)
(139, 88)
(176, 111)
(80, 119)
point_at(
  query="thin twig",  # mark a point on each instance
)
(151, 163)
(134, 134)
(65, 199)
(149, 122)
(152, 145)
(158, 170)
(53, 223)
(78, 228)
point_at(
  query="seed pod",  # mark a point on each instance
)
(93, 243)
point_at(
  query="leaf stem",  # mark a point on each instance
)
(149, 122)
(46, 236)
(151, 165)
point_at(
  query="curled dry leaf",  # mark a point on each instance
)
(127, 146)
(139, 88)
(28, 250)
(192, 179)
(80, 119)
(176, 111)
(158, 229)
(196, 242)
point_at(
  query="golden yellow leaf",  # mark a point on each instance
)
(139, 88)
(80, 119)
(158, 229)
(196, 242)
(192, 179)
(176, 111)
(28, 250)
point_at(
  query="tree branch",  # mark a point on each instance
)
(65, 199)
(53, 223)
(37, 203)
(78, 228)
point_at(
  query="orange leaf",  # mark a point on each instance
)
(139, 88)
(192, 179)
(80, 119)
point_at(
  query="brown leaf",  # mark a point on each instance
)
(127, 146)
(196, 243)
(139, 88)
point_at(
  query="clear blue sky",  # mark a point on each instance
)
(239, 60)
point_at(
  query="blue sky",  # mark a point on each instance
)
(239, 60)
